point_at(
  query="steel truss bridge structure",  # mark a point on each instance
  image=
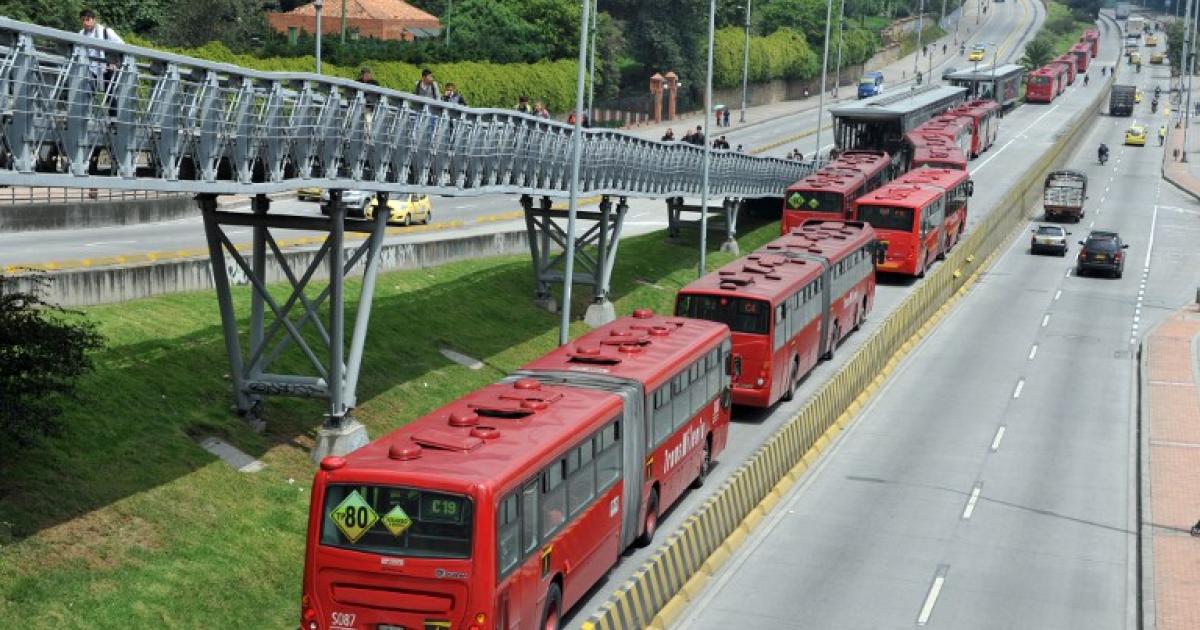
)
(84, 112)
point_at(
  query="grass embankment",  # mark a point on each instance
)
(124, 522)
(930, 34)
(1061, 29)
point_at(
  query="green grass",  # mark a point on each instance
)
(124, 522)
(930, 34)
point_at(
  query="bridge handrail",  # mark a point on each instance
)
(168, 122)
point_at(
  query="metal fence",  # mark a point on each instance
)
(70, 104)
(13, 195)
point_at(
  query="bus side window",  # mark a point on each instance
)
(581, 476)
(681, 398)
(608, 456)
(714, 373)
(529, 514)
(663, 418)
(780, 325)
(508, 537)
(554, 499)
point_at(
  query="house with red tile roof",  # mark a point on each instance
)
(381, 19)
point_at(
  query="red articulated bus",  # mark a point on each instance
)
(957, 128)
(1068, 60)
(1092, 38)
(1083, 54)
(934, 150)
(914, 215)
(985, 117)
(829, 193)
(789, 304)
(1061, 75)
(1042, 86)
(502, 508)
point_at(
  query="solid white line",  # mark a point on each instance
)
(1150, 245)
(930, 600)
(970, 509)
(1020, 386)
(1057, 294)
(996, 440)
(1045, 319)
(1033, 352)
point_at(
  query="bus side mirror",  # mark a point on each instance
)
(733, 366)
(971, 188)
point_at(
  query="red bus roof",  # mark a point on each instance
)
(930, 138)
(1081, 47)
(1091, 34)
(1045, 71)
(845, 173)
(901, 195)
(779, 268)
(483, 438)
(943, 178)
(940, 157)
(642, 347)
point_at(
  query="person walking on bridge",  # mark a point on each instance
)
(101, 73)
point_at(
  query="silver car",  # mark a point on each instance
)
(1049, 239)
(354, 201)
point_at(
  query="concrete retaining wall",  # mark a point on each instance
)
(83, 287)
(89, 214)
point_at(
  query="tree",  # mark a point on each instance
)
(44, 350)
(239, 24)
(60, 14)
(1038, 53)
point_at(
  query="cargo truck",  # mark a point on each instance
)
(1120, 100)
(1122, 10)
(1063, 195)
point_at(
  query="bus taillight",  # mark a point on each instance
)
(480, 620)
(308, 614)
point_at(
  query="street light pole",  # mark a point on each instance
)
(343, 22)
(708, 96)
(837, 74)
(592, 60)
(1183, 59)
(1190, 62)
(449, 10)
(824, 72)
(917, 54)
(317, 5)
(745, 65)
(573, 199)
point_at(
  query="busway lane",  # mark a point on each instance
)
(989, 483)
(750, 429)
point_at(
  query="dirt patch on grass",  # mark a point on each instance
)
(99, 540)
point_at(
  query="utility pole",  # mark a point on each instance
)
(745, 65)
(449, 9)
(917, 54)
(317, 5)
(1183, 59)
(343, 22)
(824, 72)
(1190, 64)
(837, 74)
(564, 329)
(708, 90)
(592, 61)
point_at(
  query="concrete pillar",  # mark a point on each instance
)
(672, 90)
(656, 88)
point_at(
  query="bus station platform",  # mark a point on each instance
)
(1171, 473)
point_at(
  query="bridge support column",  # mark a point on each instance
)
(595, 252)
(732, 208)
(275, 329)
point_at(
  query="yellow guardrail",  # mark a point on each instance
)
(663, 586)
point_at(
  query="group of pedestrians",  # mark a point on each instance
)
(427, 86)
(722, 115)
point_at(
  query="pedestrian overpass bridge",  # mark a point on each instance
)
(159, 121)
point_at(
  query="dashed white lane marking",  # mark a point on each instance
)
(1057, 294)
(1045, 319)
(1001, 150)
(935, 589)
(1069, 272)
(1020, 387)
(996, 440)
(1033, 352)
(970, 509)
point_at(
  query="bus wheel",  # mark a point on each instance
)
(651, 524)
(553, 610)
(705, 464)
(835, 342)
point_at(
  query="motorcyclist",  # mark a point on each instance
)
(1157, 91)
(1085, 79)
(1154, 105)
(1103, 153)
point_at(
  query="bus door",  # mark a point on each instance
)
(933, 215)
(826, 301)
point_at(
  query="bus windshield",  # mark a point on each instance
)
(740, 314)
(887, 218)
(1038, 80)
(397, 521)
(815, 201)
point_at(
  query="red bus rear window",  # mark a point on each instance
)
(887, 218)
(1039, 80)
(397, 521)
(740, 314)
(815, 201)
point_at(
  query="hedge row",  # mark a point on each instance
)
(483, 84)
(784, 54)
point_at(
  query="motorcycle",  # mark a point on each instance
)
(1103, 157)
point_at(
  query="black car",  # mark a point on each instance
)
(1102, 251)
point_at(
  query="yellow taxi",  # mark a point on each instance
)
(309, 193)
(976, 53)
(408, 209)
(1151, 40)
(1156, 57)
(1135, 135)
(1135, 59)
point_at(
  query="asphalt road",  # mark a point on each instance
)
(1004, 27)
(991, 483)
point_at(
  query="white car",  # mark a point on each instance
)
(1049, 238)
